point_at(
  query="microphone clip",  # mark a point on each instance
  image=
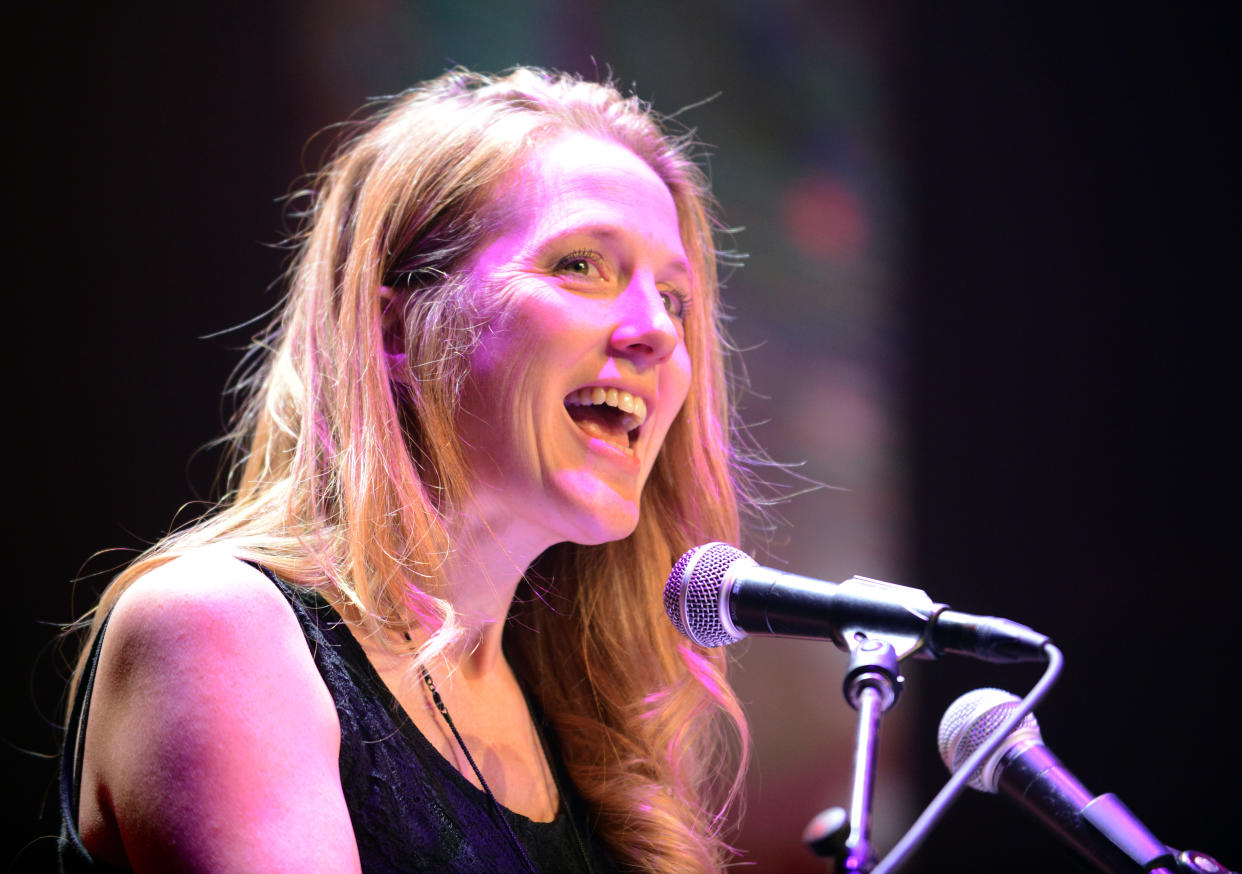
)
(873, 665)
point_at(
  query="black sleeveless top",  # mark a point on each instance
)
(411, 809)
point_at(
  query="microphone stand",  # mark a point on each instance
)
(872, 685)
(1104, 824)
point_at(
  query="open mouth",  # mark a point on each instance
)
(609, 414)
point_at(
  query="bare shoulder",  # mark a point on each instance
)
(207, 586)
(206, 618)
(212, 740)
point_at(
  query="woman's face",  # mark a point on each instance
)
(583, 366)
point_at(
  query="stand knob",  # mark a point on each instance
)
(1195, 862)
(825, 834)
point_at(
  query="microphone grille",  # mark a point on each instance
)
(968, 724)
(693, 591)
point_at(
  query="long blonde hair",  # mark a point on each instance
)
(343, 475)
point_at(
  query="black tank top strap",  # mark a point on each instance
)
(74, 858)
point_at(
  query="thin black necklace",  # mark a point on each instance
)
(562, 797)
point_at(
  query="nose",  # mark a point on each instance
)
(646, 333)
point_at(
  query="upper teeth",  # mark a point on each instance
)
(613, 397)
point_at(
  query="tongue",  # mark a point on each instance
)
(595, 422)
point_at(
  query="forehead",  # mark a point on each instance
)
(581, 181)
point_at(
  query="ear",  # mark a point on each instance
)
(392, 325)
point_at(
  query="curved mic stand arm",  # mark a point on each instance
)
(872, 685)
(953, 788)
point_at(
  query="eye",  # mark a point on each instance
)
(585, 263)
(676, 302)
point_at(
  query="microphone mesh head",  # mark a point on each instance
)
(694, 589)
(968, 724)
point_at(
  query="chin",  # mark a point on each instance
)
(591, 511)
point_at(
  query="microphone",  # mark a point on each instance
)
(1102, 829)
(716, 595)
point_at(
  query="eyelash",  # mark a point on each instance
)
(579, 255)
(680, 298)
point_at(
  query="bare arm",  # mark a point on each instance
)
(212, 741)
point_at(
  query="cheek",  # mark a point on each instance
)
(487, 416)
(526, 323)
(675, 380)
(509, 369)
(509, 340)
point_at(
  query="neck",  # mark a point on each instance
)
(481, 576)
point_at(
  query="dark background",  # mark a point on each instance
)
(1073, 377)
(1067, 360)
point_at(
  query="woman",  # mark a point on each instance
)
(423, 631)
